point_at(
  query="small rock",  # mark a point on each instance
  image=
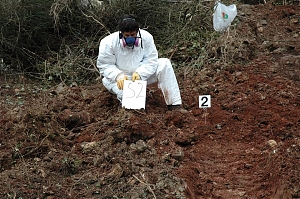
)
(272, 143)
(141, 146)
(17, 90)
(116, 172)
(167, 157)
(248, 166)
(42, 173)
(88, 146)
(263, 22)
(178, 154)
(294, 21)
(73, 84)
(260, 29)
(59, 89)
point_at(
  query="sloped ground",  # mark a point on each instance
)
(75, 142)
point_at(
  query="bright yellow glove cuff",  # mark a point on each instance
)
(135, 76)
(120, 81)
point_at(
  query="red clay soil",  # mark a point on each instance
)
(76, 142)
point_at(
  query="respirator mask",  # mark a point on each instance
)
(130, 42)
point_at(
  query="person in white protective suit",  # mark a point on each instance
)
(130, 54)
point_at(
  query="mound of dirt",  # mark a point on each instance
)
(76, 141)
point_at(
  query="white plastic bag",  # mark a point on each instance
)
(223, 16)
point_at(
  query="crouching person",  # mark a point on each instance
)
(130, 54)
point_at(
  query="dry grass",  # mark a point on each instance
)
(184, 34)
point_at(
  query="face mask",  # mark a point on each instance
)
(130, 41)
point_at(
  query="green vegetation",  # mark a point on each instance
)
(58, 41)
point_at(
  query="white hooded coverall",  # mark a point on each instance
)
(114, 59)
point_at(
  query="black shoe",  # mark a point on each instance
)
(173, 107)
(177, 108)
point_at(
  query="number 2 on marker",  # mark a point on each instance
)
(204, 101)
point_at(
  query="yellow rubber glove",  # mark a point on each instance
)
(135, 76)
(120, 81)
